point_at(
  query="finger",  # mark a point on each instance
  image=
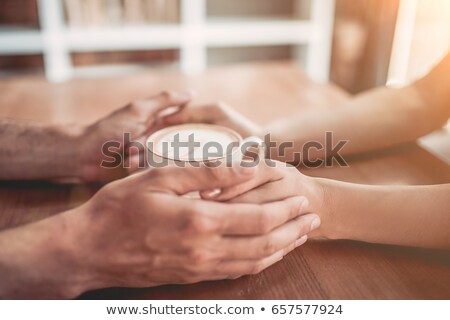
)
(248, 219)
(238, 268)
(197, 176)
(138, 116)
(145, 110)
(166, 99)
(195, 114)
(267, 171)
(237, 219)
(269, 192)
(297, 243)
(135, 155)
(215, 269)
(265, 245)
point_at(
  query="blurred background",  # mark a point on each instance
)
(356, 44)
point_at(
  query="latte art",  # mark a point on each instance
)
(194, 142)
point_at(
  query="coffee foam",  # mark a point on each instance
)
(202, 134)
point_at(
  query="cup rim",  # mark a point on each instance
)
(153, 137)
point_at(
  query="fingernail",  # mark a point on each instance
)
(280, 257)
(213, 193)
(315, 223)
(301, 241)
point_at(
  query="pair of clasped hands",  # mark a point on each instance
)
(139, 231)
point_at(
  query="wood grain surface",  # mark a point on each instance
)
(320, 269)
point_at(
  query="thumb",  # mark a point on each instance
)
(166, 99)
(139, 116)
(190, 114)
(198, 177)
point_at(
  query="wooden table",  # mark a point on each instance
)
(317, 270)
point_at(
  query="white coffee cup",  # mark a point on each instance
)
(175, 144)
(228, 146)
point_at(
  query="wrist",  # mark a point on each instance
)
(68, 152)
(338, 222)
(320, 195)
(74, 249)
(42, 260)
(87, 167)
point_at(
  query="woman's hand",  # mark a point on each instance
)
(275, 181)
(216, 113)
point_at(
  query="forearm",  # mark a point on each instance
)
(41, 260)
(376, 119)
(34, 151)
(402, 215)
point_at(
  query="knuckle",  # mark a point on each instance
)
(269, 246)
(301, 221)
(190, 271)
(166, 95)
(156, 173)
(110, 193)
(158, 177)
(294, 207)
(134, 106)
(152, 199)
(264, 222)
(197, 222)
(218, 173)
(108, 189)
(155, 261)
(303, 225)
(199, 257)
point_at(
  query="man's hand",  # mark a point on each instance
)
(140, 232)
(217, 113)
(138, 119)
(144, 233)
